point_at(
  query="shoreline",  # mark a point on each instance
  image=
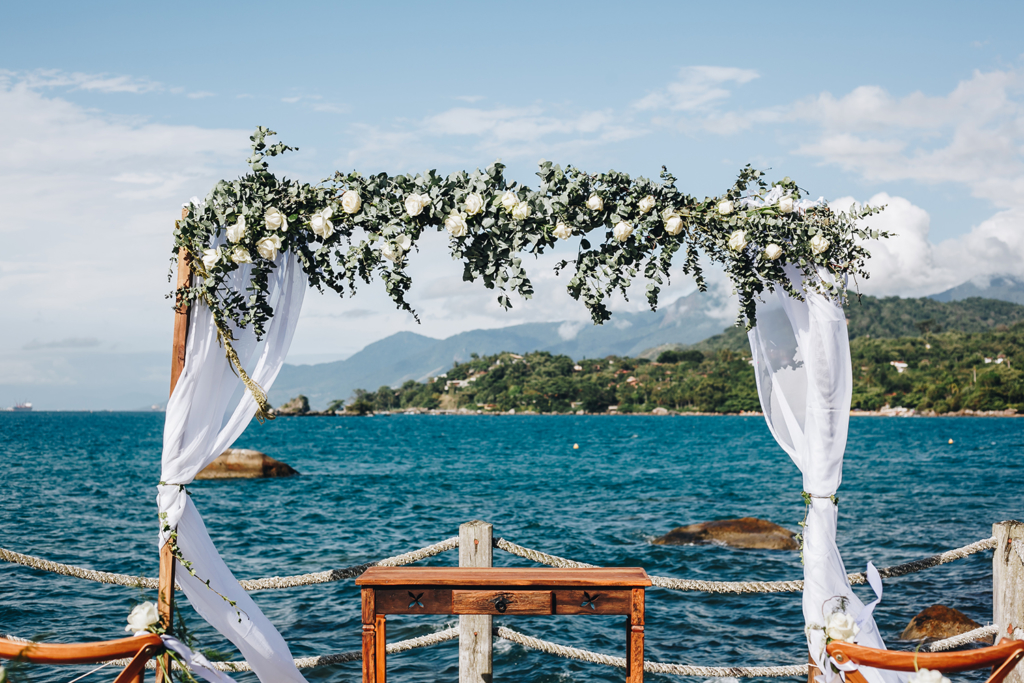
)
(893, 412)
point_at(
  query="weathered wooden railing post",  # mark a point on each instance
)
(475, 540)
(1008, 585)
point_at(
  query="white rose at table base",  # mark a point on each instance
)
(622, 231)
(474, 204)
(142, 617)
(927, 676)
(456, 226)
(275, 220)
(237, 230)
(562, 231)
(415, 203)
(320, 223)
(803, 369)
(351, 202)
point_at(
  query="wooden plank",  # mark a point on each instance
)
(476, 548)
(413, 601)
(165, 587)
(945, 662)
(76, 653)
(369, 653)
(512, 577)
(579, 601)
(1008, 585)
(136, 670)
(381, 639)
(369, 606)
(636, 615)
(502, 602)
(635, 654)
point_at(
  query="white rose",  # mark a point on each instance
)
(772, 252)
(456, 225)
(521, 211)
(403, 242)
(786, 204)
(562, 231)
(509, 200)
(840, 626)
(737, 241)
(415, 203)
(646, 204)
(622, 231)
(927, 676)
(819, 245)
(391, 251)
(725, 208)
(321, 222)
(351, 202)
(275, 220)
(211, 257)
(269, 246)
(142, 617)
(237, 231)
(674, 225)
(240, 255)
(595, 203)
(474, 204)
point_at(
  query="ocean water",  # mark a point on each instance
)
(79, 488)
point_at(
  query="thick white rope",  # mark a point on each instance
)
(247, 584)
(325, 660)
(651, 667)
(962, 639)
(755, 586)
(513, 548)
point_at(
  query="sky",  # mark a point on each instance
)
(114, 114)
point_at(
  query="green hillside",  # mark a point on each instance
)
(944, 372)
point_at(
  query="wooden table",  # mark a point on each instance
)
(500, 591)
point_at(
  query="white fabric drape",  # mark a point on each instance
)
(801, 353)
(208, 410)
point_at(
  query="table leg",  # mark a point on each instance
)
(635, 639)
(382, 670)
(369, 637)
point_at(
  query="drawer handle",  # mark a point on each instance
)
(501, 603)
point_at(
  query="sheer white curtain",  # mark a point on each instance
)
(208, 410)
(801, 352)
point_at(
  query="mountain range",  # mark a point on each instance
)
(692, 320)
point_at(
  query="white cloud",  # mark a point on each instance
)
(697, 88)
(89, 204)
(973, 136)
(103, 83)
(909, 264)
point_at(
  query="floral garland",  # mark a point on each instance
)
(351, 227)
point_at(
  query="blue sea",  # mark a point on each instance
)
(79, 488)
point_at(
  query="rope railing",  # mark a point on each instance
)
(277, 582)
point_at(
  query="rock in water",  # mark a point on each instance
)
(938, 622)
(748, 532)
(297, 406)
(242, 463)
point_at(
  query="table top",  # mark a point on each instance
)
(608, 577)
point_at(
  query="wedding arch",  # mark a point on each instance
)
(247, 252)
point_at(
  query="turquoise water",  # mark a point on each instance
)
(78, 488)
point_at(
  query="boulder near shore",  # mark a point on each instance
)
(938, 622)
(242, 463)
(747, 532)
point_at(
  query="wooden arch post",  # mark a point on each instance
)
(165, 591)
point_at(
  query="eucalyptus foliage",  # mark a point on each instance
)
(351, 227)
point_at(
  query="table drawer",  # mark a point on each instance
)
(413, 601)
(502, 602)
